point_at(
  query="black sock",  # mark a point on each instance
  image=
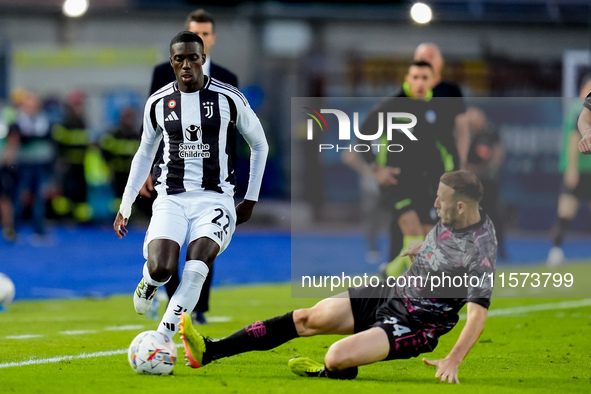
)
(560, 230)
(347, 374)
(260, 335)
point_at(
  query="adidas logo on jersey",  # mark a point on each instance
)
(171, 117)
(219, 234)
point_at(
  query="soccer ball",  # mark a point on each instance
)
(153, 353)
(6, 289)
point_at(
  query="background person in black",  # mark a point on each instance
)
(201, 23)
(72, 140)
(404, 176)
(451, 147)
(485, 159)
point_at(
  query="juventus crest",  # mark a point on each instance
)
(208, 106)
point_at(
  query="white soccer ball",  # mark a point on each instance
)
(153, 353)
(6, 289)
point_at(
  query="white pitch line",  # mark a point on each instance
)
(77, 332)
(219, 319)
(63, 358)
(495, 312)
(129, 327)
(517, 310)
(57, 359)
(26, 336)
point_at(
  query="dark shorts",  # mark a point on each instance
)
(372, 307)
(583, 190)
(408, 196)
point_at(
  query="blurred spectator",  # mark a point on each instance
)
(118, 147)
(52, 107)
(9, 144)
(35, 158)
(72, 141)
(576, 180)
(485, 159)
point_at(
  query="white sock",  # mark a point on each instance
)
(186, 296)
(148, 279)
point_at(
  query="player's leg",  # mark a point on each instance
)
(162, 261)
(329, 316)
(166, 233)
(364, 348)
(344, 356)
(358, 316)
(567, 209)
(200, 255)
(393, 335)
(212, 221)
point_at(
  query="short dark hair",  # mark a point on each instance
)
(200, 16)
(421, 63)
(186, 36)
(465, 184)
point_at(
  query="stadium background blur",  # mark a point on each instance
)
(280, 50)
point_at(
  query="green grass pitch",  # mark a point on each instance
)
(523, 349)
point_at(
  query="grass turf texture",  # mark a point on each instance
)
(540, 351)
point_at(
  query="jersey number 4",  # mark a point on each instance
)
(398, 329)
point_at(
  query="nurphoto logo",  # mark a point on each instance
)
(388, 122)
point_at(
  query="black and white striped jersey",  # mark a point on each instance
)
(199, 133)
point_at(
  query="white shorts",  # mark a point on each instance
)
(188, 216)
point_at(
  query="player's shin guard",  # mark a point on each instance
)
(261, 335)
(186, 296)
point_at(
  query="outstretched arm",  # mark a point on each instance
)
(253, 134)
(139, 171)
(140, 168)
(447, 368)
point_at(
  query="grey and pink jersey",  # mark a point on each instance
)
(455, 267)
